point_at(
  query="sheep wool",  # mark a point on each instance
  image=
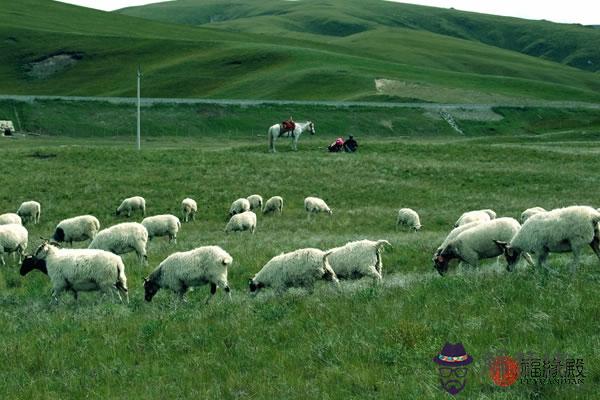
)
(76, 229)
(357, 259)
(242, 222)
(477, 243)
(30, 211)
(189, 208)
(525, 215)
(454, 233)
(299, 268)
(13, 238)
(131, 204)
(475, 216)
(409, 218)
(162, 225)
(274, 204)
(123, 238)
(256, 202)
(10, 218)
(315, 205)
(79, 270)
(182, 270)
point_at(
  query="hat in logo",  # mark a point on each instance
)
(453, 355)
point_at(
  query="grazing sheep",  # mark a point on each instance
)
(189, 209)
(10, 218)
(315, 205)
(123, 238)
(557, 231)
(242, 222)
(299, 268)
(477, 243)
(454, 233)
(275, 203)
(357, 259)
(530, 212)
(472, 216)
(408, 217)
(13, 238)
(30, 211)
(239, 206)
(76, 229)
(256, 202)
(131, 204)
(162, 225)
(182, 270)
(78, 270)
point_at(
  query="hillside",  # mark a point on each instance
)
(59, 49)
(569, 44)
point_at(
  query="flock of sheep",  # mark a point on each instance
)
(477, 235)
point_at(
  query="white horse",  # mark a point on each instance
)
(276, 130)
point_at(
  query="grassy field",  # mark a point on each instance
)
(362, 341)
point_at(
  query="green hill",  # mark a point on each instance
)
(59, 49)
(570, 44)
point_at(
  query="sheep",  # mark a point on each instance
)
(30, 211)
(239, 206)
(10, 218)
(471, 216)
(557, 231)
(131, 204)
(454, 233)
(256, 202)
(525, 215)
(123, 238)
(299, 268)
(78, 270)
(242, 222)
(189, 209)
(275, 203)
(315, 205)
(410, 218)
(13, 238)
(162, 225)
(182, 270)
(358, 259)
(477, 243)
(76, 229)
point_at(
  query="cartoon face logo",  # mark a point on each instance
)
(452, 367)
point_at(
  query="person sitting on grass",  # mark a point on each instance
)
(350, 145)
(336, 146)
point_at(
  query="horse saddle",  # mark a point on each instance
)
(286, 127)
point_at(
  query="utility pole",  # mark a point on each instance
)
(139, 79)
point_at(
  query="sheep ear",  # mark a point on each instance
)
(502, 245)
(145, 280)
(440, 258)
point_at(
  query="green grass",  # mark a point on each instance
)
(186, 61)
(361, 342)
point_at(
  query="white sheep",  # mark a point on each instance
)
(131, 204)
(13, 238)
(473, 216)
(454, 233)
(299, 268)
(183, 270)
(189, 208)
(275, 203)
(239, 206)
(315, 205)
(562, 230)
(30, 211)
(162, 225)
(477, 243)
(78, 270)
(256, 202)
(242, 222)
(525, 215)
(357, 259)
(10, 218)
(408, 217)
(76, 229)
(123, 238)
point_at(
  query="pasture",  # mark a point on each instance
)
(363, 341)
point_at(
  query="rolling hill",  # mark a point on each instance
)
(59, 49)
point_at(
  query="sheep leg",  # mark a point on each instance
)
(595, 244)
(374, 273)
(471, 258)
(576, 255)
(213, 290)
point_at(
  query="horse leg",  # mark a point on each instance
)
(294, 142)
